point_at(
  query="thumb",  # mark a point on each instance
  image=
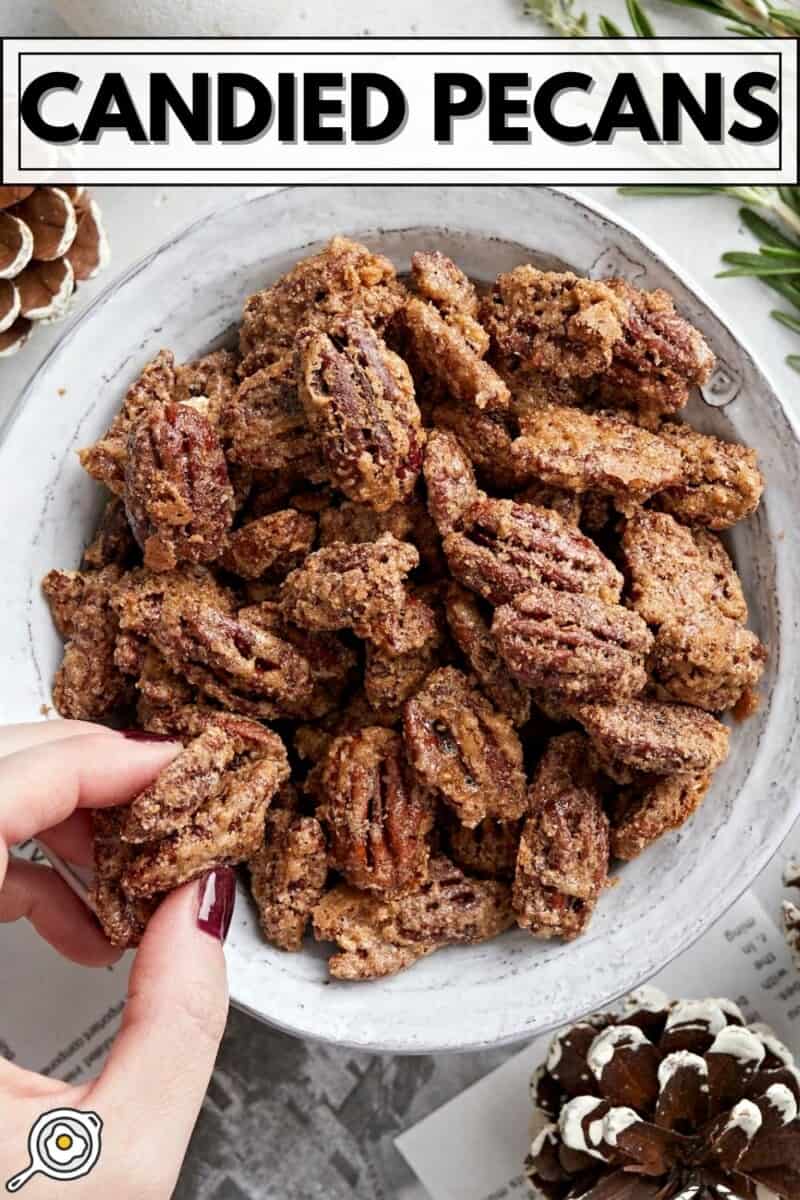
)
(156, 1076)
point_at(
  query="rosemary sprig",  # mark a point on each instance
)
(746, 18)
(777, 263)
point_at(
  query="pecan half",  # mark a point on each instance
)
(390, 679)
(720, 484)
(448, 357)
(378, 815)
(552, 323)
(660, 355)
(474, 638)
(505, 547)
(357, 587)
(88, 684)
(343, 280)
(358, 398)
(140, 597)
(450, 480)
(288, 875)
(105, 460)
(378, 936)
(459, 744)
(562, 865)
(437, 278)
(710, 663)
(600, 452)
(265, 425)
(641, 814)
(123, 918)
(225, 830)
(241, 666)
(651, 736)
(178, 496)
(273, 545)
(199, 774)
(573, 646)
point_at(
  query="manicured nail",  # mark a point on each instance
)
(217, 899)
(143, 735)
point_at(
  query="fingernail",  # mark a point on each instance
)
(217, 900)
(144, 735)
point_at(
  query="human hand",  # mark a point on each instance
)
(151, 1088)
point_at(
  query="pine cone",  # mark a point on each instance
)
(672, 1099)
(791, 911)
(51, 239)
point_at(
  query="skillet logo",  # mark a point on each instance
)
(64, 1144)
(552, 111)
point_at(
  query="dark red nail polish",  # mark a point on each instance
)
(217, 900)
(143, 735)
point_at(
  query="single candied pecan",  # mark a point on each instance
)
(658, 358)
(236, 663)
(141, 595)
(378, 936)
(158, 685)
(344, 280)
(123, 918)
(552, 323)
(88, 684)
(504, 548)
(474, 638)
(273, 545)
(598, 452)
(650, 736)
(642, 813)
(569, 505)
(677, 573)
(377, 813)
(113, 541)
(351, 522)
(331, 662)
(437, 278)
(178, 496)
(105, 460)
(573, 646)
(562, 864)
(459, 744)
(390, 679)
(488, 439)
(225, 830)
(720, 483)
(358, 398)
(710, 662)
(489, 850)
(446, 355)
(450, 480)
(288, 875)
(265, 424)
(195, 777)
(357, 587)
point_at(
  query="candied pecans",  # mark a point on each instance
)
(453, 547)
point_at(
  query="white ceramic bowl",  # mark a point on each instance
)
(187, 296)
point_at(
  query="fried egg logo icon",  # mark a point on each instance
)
(63, 1144)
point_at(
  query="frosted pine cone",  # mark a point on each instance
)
(51, 239)
(671, 1099)
(791, 911)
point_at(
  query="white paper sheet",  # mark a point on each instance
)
(473, 1148)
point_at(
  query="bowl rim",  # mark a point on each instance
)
(304, 1025)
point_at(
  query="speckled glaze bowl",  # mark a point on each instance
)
(188, 296)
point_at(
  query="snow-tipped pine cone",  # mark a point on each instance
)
(51, 239)
(791, 911)
(671, 1099)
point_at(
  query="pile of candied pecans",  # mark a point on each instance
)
(429, 586)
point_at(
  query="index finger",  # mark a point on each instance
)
(41, 787)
